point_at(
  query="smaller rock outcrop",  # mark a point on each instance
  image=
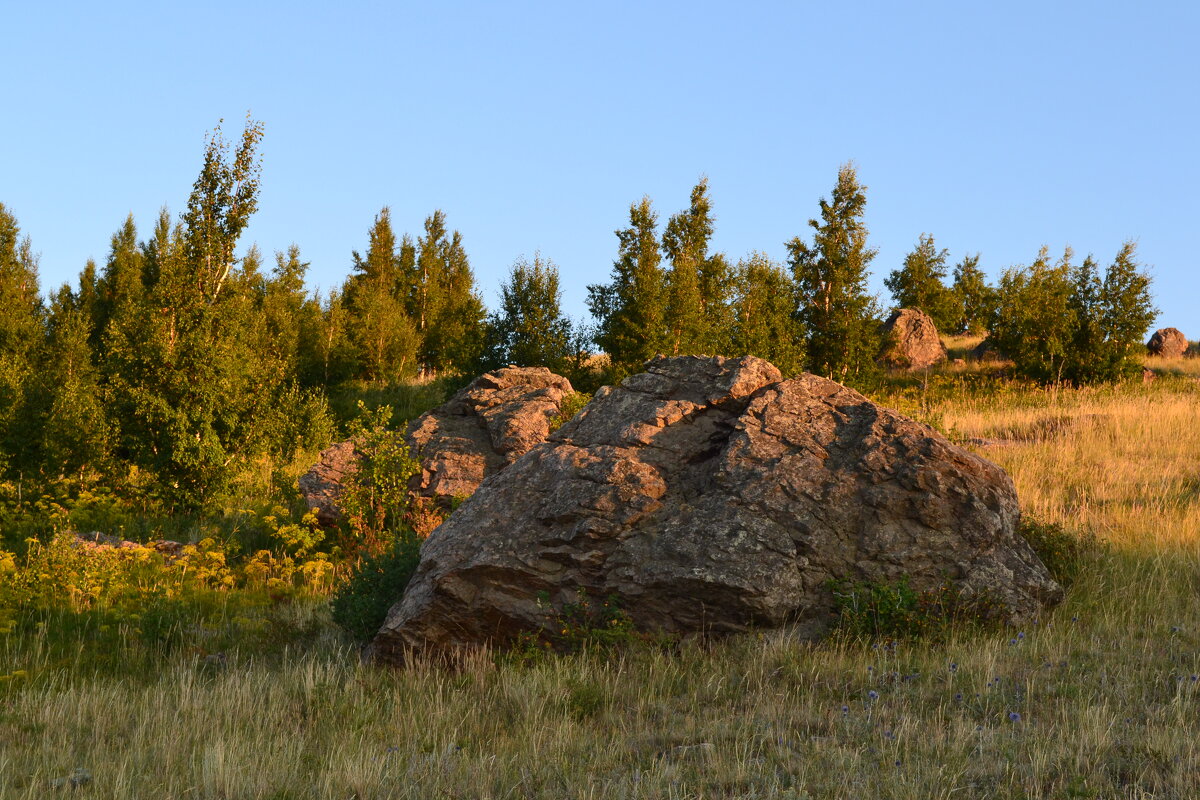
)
(488, 425)
(322, 486)
(911, 341)
(478, 432)
(1167, 343)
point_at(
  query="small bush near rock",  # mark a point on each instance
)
(375, 496)
(571, 405)
(1064, 553)
(899, 611)
(360, 605)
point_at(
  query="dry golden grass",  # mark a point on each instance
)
(1100, 699)
(1123, 465)
(1187, 365)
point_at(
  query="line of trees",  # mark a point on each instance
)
(175, 362)
(668, 294)
(1057, 321)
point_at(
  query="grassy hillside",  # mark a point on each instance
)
(251, 693)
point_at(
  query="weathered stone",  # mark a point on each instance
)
(911, 341)
(484, 428)
(322, 486)
(476, 433)
(707, 495)
(1167, 343)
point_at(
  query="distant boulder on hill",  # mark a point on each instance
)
(708, 495)
(1167, 343)
(911, 341)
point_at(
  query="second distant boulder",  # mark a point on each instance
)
(1167, 343)
(911, 341)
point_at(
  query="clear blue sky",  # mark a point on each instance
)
(996, 127)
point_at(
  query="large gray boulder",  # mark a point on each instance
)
(709, 495)
(911, 341)
(1167, 343)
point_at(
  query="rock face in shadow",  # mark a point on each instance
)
(481, 430)
(1167, 343)
(987, 352)
(709, 495)
(322, 486)
(911, 341)
(484, 428)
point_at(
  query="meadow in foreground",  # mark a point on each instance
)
(1101, 698)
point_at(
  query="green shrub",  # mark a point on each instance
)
(375, 496)
(571, 405)
(1064, 553)
(360, 605)
(898, 611)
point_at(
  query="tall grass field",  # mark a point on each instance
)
(255, 694)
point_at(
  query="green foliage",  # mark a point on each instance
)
(1112, 315)
(451, 316)
(698, 285)
(66, 412)
(586, 624)
(20, 307)
(974, 297)
(375, 496)
(1033, 323)
(184, 366)
(897, 610)
(283, 307)
(1064, 553)
(385, 339)
(20, 333)
(529, 330)
(571, 405)
(764, 322)
(119, 288)
(1065, 323)
(223, 199)
(582, 625)
(839, 315)
(407, 400)
(360, 605)
(920, 284)
(631, 308)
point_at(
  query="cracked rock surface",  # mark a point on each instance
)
(708, 495)
(485, 427)
(322, 486)
(488, 425)
(911, 341)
